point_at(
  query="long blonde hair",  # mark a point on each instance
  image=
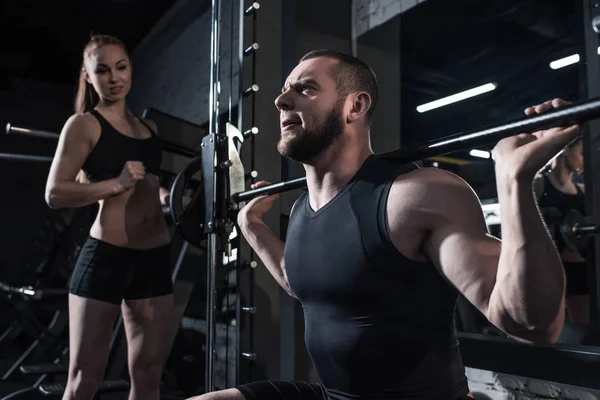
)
(86, 97)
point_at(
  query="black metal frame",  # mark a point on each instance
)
(238, 262)
(212, 158)
(217, 221)
(247, 310)
(590, 66)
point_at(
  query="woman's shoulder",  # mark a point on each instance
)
(150, 124)
(82, 124)
(82, 119)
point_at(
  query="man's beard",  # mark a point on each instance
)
(308, 144)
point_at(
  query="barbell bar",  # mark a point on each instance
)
(24, 157)
(565, 116)
(16, 130)
(21, 131)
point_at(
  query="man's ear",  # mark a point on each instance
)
(361, 103)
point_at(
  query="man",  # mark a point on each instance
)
(377, 252)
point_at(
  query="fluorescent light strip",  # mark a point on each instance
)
(480, 153)
(563, 62)
(456, 97)
(570, 60)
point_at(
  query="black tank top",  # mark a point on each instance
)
(555, 205)
(113, 150)
(564, 202)
(378, 325)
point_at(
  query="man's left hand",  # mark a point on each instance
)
(522, 156)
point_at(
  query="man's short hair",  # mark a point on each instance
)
(350, 75)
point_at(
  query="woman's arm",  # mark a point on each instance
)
(74, 145)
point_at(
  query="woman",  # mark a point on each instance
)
(558, 193)
(124, 264)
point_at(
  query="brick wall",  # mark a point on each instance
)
(488, 385)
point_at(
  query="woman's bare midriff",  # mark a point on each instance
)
(134, 218)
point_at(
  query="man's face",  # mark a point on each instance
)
(311, 112)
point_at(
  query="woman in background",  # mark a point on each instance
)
(557, 194)
(125, 263)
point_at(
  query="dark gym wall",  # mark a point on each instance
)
(33, 104)
(172, 63)
(380, 48)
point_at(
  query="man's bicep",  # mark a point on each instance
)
(469, 262)
(461, 248)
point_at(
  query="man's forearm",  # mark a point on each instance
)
(530, 283)
(269, 249)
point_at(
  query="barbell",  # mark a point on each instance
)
(575, 230)
(13, 130)
(565, 116)
(575, 113)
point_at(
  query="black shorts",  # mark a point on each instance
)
(111, 273)
(576, 274)
(287, 390)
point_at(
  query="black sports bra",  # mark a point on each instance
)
(564, 202)
(113, 150)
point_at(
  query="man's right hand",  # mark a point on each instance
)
(268, 246)
(254, 210)
(133, 171)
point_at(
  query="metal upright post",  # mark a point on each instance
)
(240, 125)
(590, 64)
(211, 175)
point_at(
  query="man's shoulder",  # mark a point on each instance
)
(428, 188)
(428, 177)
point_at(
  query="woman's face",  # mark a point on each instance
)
(574, 157)
(108, 70)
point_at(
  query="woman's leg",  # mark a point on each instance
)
(148, 324)
(578, 299)
(578, 309)
(90, 327)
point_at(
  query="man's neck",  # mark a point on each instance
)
(329, 173)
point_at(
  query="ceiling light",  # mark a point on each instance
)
(480, 153)
(456, 97)
(563, 62)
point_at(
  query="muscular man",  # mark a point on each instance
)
(378, 252)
